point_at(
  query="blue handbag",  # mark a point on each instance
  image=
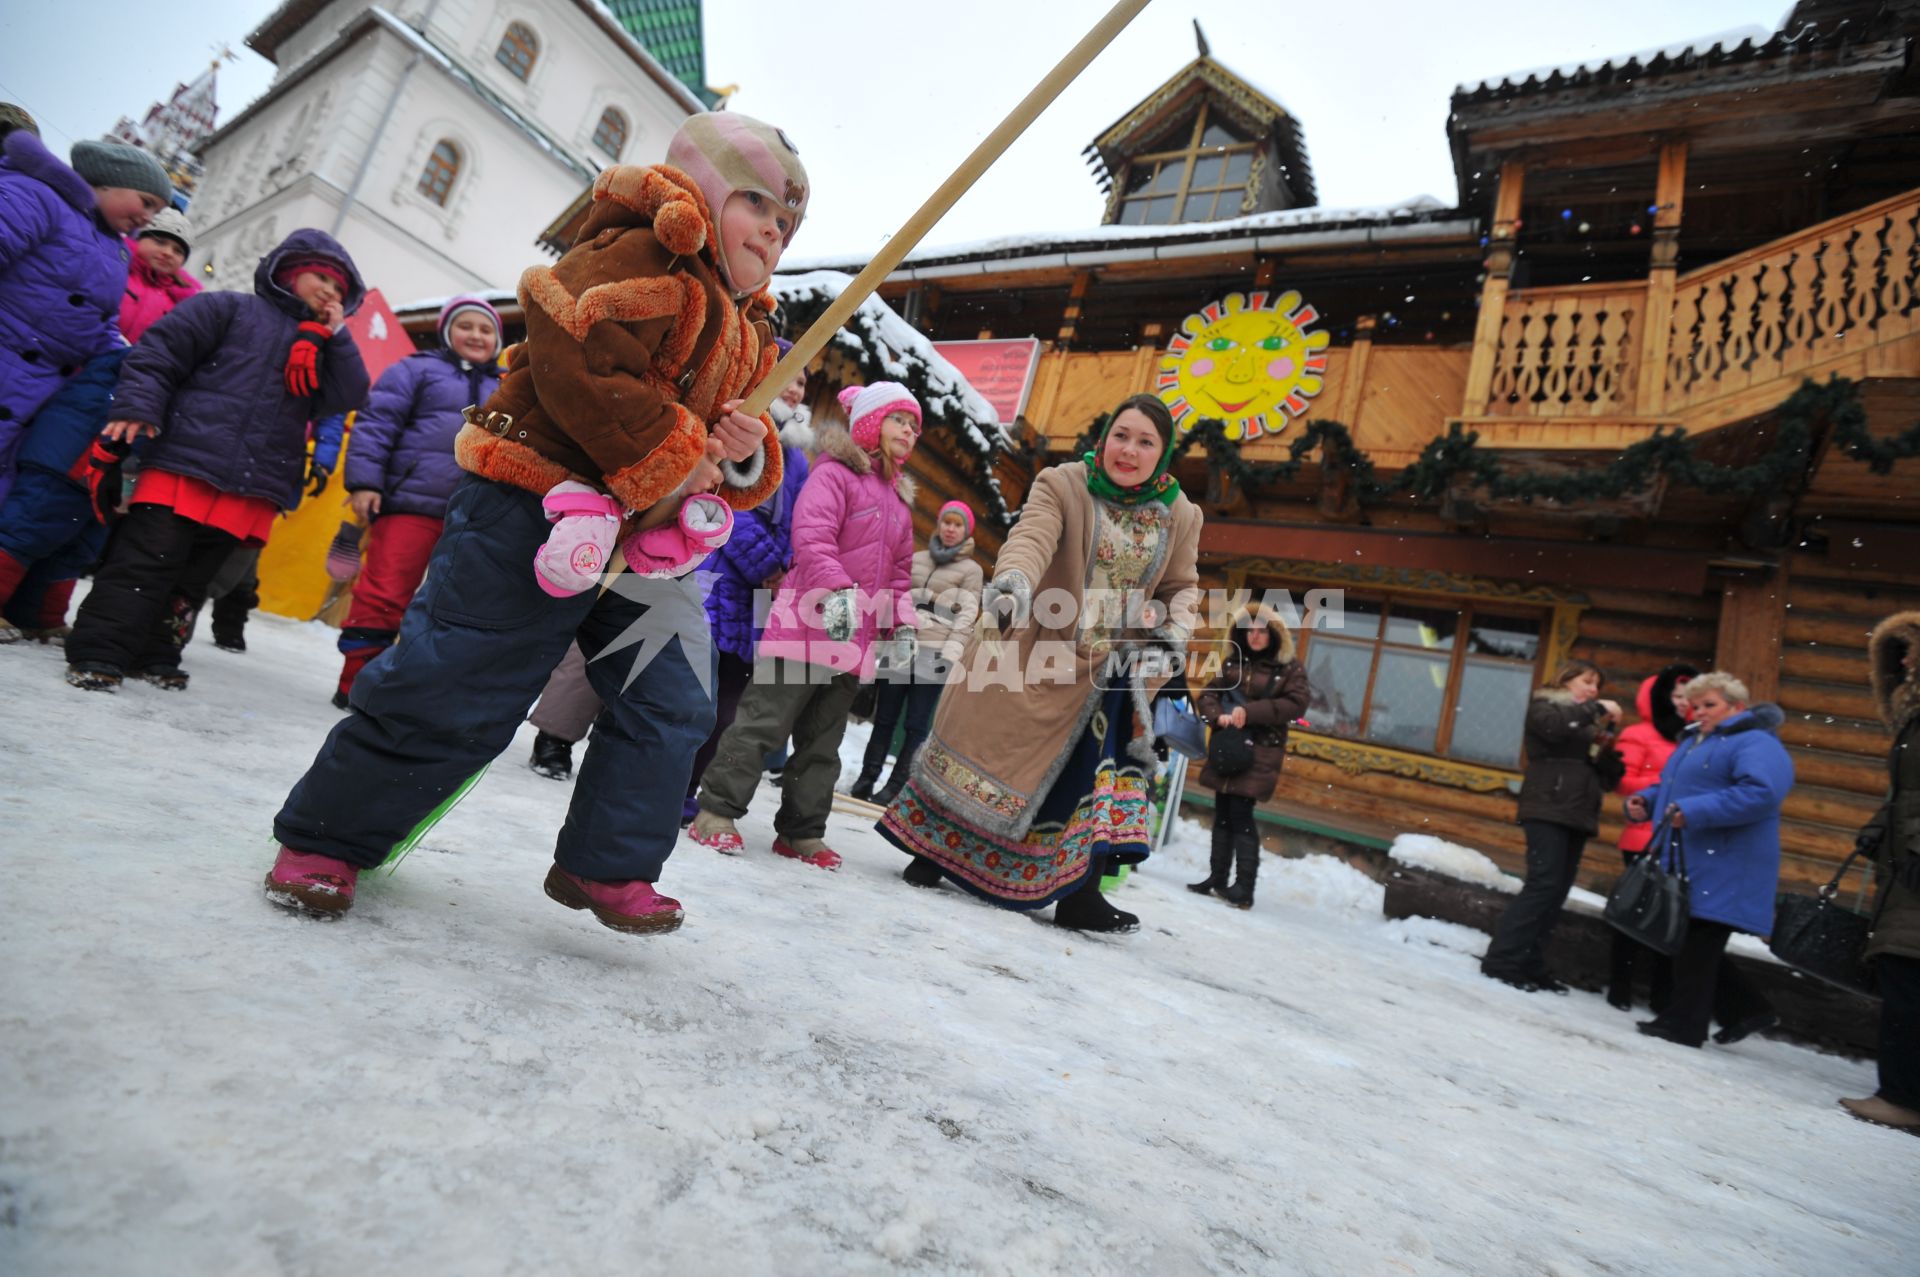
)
(1175, 722)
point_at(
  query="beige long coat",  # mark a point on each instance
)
(1005, 729)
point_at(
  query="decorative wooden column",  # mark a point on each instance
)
(1753, 618)
(1493, 292)
(1070, 319)
(1656, 324)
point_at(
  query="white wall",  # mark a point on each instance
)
(293, 163)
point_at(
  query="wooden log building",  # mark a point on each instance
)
(1677, 240)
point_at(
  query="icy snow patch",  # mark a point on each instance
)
(1424, 851)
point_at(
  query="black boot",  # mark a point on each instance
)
(552, 757)
(863, 787)
(1221, 862)
(895, 783)
(1088, 910)
(922, 872)
(1246, 855)
(1620, 976)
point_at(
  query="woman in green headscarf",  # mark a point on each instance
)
(1034, 782)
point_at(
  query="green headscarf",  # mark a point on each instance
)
(1160, 485)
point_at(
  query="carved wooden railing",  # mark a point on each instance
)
(1784, 308)
(1568, 352)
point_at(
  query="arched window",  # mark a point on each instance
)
(443, 165)
(518, 50)
(611, 134)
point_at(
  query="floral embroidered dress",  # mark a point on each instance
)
(1095, 814)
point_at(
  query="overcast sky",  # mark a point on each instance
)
(884, 100)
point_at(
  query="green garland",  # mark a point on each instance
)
(1668, 453)
(940, 407)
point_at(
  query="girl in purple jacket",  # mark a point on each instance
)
(849, 591)
(401, 472)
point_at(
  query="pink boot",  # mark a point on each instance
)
(632, 906)
(313, 884)
(810, 851)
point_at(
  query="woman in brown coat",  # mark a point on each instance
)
(1263, 689)
(1035, 780)
(1892, 838)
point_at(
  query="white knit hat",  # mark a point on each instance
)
(868, 406)
(172, 223)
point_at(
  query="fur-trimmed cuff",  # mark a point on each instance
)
(746, 473)
(765, 479)
(480, 451)
(653, 479)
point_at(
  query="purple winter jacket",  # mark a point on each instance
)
(761, 544)
(62, 273)
(850, 530)
(402, 441)
(211, 375)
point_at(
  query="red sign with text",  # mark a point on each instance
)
(1000, 370)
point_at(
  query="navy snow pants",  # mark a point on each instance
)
(47, 527)
(475, 647)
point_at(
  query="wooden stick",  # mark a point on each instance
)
(811, 342)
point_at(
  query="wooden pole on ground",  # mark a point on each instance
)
(811, 342)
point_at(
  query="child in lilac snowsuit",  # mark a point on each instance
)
(63, 266)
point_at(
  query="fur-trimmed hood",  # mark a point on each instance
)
(661, 196)
(838, 445)
(1245, 617)
(1655, 700)
(1896, 691)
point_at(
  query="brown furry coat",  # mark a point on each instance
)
(633, 343)
(1896, 692)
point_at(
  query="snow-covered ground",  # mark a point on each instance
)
(820, 1073)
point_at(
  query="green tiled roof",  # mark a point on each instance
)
(672, 31)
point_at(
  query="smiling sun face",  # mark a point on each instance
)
(1248, 361)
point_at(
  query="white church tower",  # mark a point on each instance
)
(434, 140)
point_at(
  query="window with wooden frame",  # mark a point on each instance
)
(610, 135)
(1427, 676)
(519, 50)
(443, 166)
(1204, 181)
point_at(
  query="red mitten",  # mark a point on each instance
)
(102, 464)
(303, 361)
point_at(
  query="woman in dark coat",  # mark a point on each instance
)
(1261, 688)
(1892, 838)
(1568, 728)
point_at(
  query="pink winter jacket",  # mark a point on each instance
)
(849, 530)
(149, 296)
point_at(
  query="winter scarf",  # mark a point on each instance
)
(940, 552)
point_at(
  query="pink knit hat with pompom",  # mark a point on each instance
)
(868, 406)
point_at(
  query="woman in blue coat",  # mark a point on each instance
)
(401, 471)
(1720, 793)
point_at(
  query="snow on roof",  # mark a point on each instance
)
(1731, 38)
(432, 305)
(1283, 220)
(953, 398)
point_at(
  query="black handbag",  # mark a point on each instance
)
(1649, 903)
(1823, 939)
(1230, 751)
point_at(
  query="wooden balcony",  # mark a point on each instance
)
(1604, 365)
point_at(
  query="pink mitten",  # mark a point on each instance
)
(677, 548)
(585, 526)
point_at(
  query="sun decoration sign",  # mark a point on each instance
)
(1248, 361)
